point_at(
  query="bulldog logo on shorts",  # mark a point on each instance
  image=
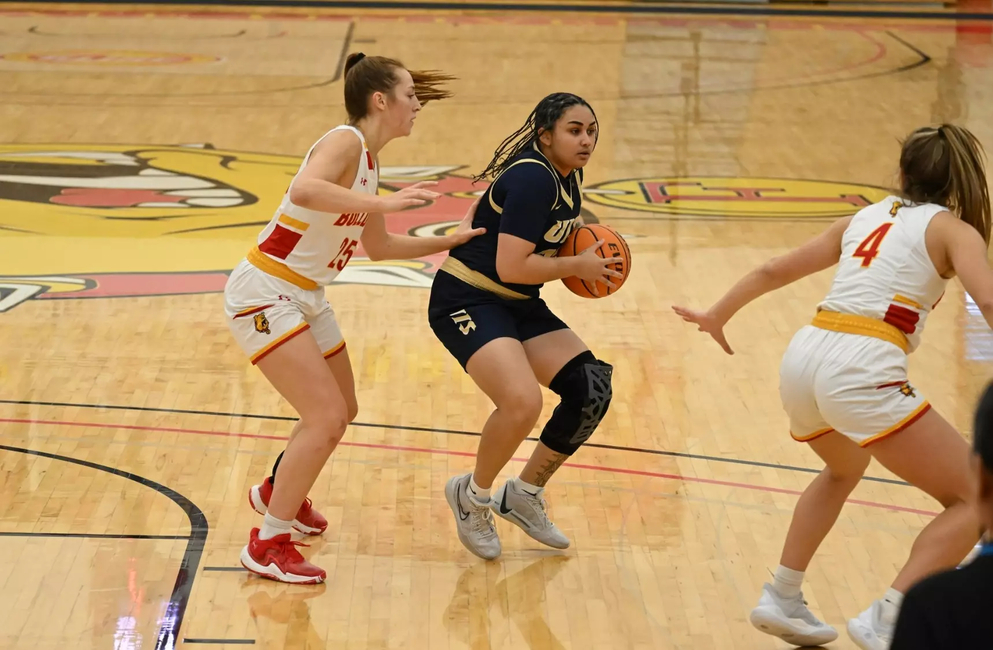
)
(262, 323)
(908, 390)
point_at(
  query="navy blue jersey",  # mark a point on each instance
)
(530, 200)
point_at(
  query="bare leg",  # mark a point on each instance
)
(500, 368)
(932, 456)
(820, 504)
(547, 354)
(298, 371)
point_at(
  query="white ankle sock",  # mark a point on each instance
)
(482, 495)
(521, 484)
(890, 606)
(272, 527)
(787, 582)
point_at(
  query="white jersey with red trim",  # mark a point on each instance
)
(885, 271)
(310, 248)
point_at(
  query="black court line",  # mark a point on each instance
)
(344, 51)
(454, 432)
(172, 620)
(91, 535)
(584, 8)
(222, 641)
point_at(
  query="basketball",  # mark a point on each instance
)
(613, 246)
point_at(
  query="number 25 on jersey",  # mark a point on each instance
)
(344, 254)
(869, 247)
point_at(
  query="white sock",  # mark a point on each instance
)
(890, 606)
(523, 485)
(478, 494)
(787, 582)
(272, 527)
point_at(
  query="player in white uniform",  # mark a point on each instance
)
(275, 302)
(843, 379)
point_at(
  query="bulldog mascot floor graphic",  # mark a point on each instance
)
(114, 221)
(99, 221)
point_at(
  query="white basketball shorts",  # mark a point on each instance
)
(264, 312)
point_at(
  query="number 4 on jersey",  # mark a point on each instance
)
(869, 247)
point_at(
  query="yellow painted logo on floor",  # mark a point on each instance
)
(95, 221)
(722, 198)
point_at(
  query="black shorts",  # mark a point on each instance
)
(464, 324)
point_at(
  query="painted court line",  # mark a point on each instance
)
(468, 454)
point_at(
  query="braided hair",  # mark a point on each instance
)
(542, 118)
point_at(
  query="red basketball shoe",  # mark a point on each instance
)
(278, 559)
(308, 521)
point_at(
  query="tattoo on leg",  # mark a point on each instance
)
(550, 467)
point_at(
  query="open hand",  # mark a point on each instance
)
(706, 322)
(593, 268)
(464, 232)
(408, 197)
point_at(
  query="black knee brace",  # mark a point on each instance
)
(584, 386)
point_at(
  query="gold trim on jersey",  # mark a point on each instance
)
(295, 223)
(566, 194)
(863, 325)
(456, 268)
(907, 301)
(266, 264)
(499, 209)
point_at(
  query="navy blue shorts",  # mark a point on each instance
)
(464, 326)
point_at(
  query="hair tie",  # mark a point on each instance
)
(358, 57)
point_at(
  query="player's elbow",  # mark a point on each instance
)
(508, 271)
(375, 249)
(303, 194)
(985, 305)
(777, 271)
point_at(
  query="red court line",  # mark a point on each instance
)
(448, 452)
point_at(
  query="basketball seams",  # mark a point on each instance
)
(622, 266)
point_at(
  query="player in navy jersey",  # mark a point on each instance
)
(486, 310)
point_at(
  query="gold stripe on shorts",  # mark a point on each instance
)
(811, 436)
(899, 426)
(302, 327)
(335, 350)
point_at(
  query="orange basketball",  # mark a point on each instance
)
(613, 246)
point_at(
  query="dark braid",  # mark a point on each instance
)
(542, 118)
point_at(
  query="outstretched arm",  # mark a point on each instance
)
(382, 245)
(819, 253)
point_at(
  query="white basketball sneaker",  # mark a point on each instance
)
(868, 631)
(473, 519)
(527, 510)
(790, 619)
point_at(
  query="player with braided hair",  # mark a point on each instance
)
(486, 310)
